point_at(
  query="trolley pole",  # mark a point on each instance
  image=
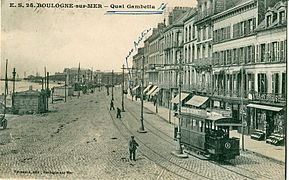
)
(122, 90)
(142, 130)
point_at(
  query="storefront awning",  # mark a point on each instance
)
(197, 100)
(269, 108)
(156, 91)
(152, 90)
(133, 89)
(183, 96)
(147, 88)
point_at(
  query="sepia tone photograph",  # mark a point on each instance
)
(143, 89)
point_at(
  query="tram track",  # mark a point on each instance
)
(156, 157)
(247, 175)
(213, 162)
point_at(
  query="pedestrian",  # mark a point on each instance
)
(111, 105)
(132, 148)
(118, 112)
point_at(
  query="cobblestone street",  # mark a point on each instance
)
(81, 139)
(75, 140)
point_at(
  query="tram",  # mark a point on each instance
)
(208, 135)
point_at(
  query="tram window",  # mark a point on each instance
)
(201, 126)
(189, 122)
(206, 125)
(194, 123)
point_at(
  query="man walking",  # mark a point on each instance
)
(118, 112)
(111, 105)
(132, 148)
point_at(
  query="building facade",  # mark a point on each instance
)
(233, 55)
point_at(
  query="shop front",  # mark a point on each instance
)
(269, 120)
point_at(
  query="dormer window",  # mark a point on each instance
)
(269, 20)
(282, 17)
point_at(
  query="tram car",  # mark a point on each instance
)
(209, 135)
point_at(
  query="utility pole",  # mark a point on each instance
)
(122, 90)
(78, 90)
(179, 150)
(47, 89)
(157, 100)
(170, 99)
(14, 74)
(13, 90)
(242, 108)
(45, 77)
(112, 85)
(142, 130)
(6, 88)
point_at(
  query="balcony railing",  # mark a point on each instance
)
(250, 95)
(168, 85)
(203, 61)
(269, 97)
(173, 45)
(205, 87)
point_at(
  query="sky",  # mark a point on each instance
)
(33, 38)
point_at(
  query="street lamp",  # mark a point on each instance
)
(141, 129)
(179, 150)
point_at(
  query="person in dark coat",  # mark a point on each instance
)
(111, 105)
(118, 113)
(132, 148)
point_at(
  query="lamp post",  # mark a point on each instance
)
(122, 90)
(141, 129)
(179, 150)
(242, 107)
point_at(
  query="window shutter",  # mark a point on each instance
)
(229, 32)
(234, 30)
(257, 53)
(285, 50)
(266, 52)
(266, 83)
(271, 49)
(246, 27)
(254, 24)
(273, 83)
(278, 51)
(253, 54)
(245, 55)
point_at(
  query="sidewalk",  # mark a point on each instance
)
(258, 147)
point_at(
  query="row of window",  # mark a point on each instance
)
(231, 82)
(244, 28)
(222, 34)
(189, 33)
(269, 52)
